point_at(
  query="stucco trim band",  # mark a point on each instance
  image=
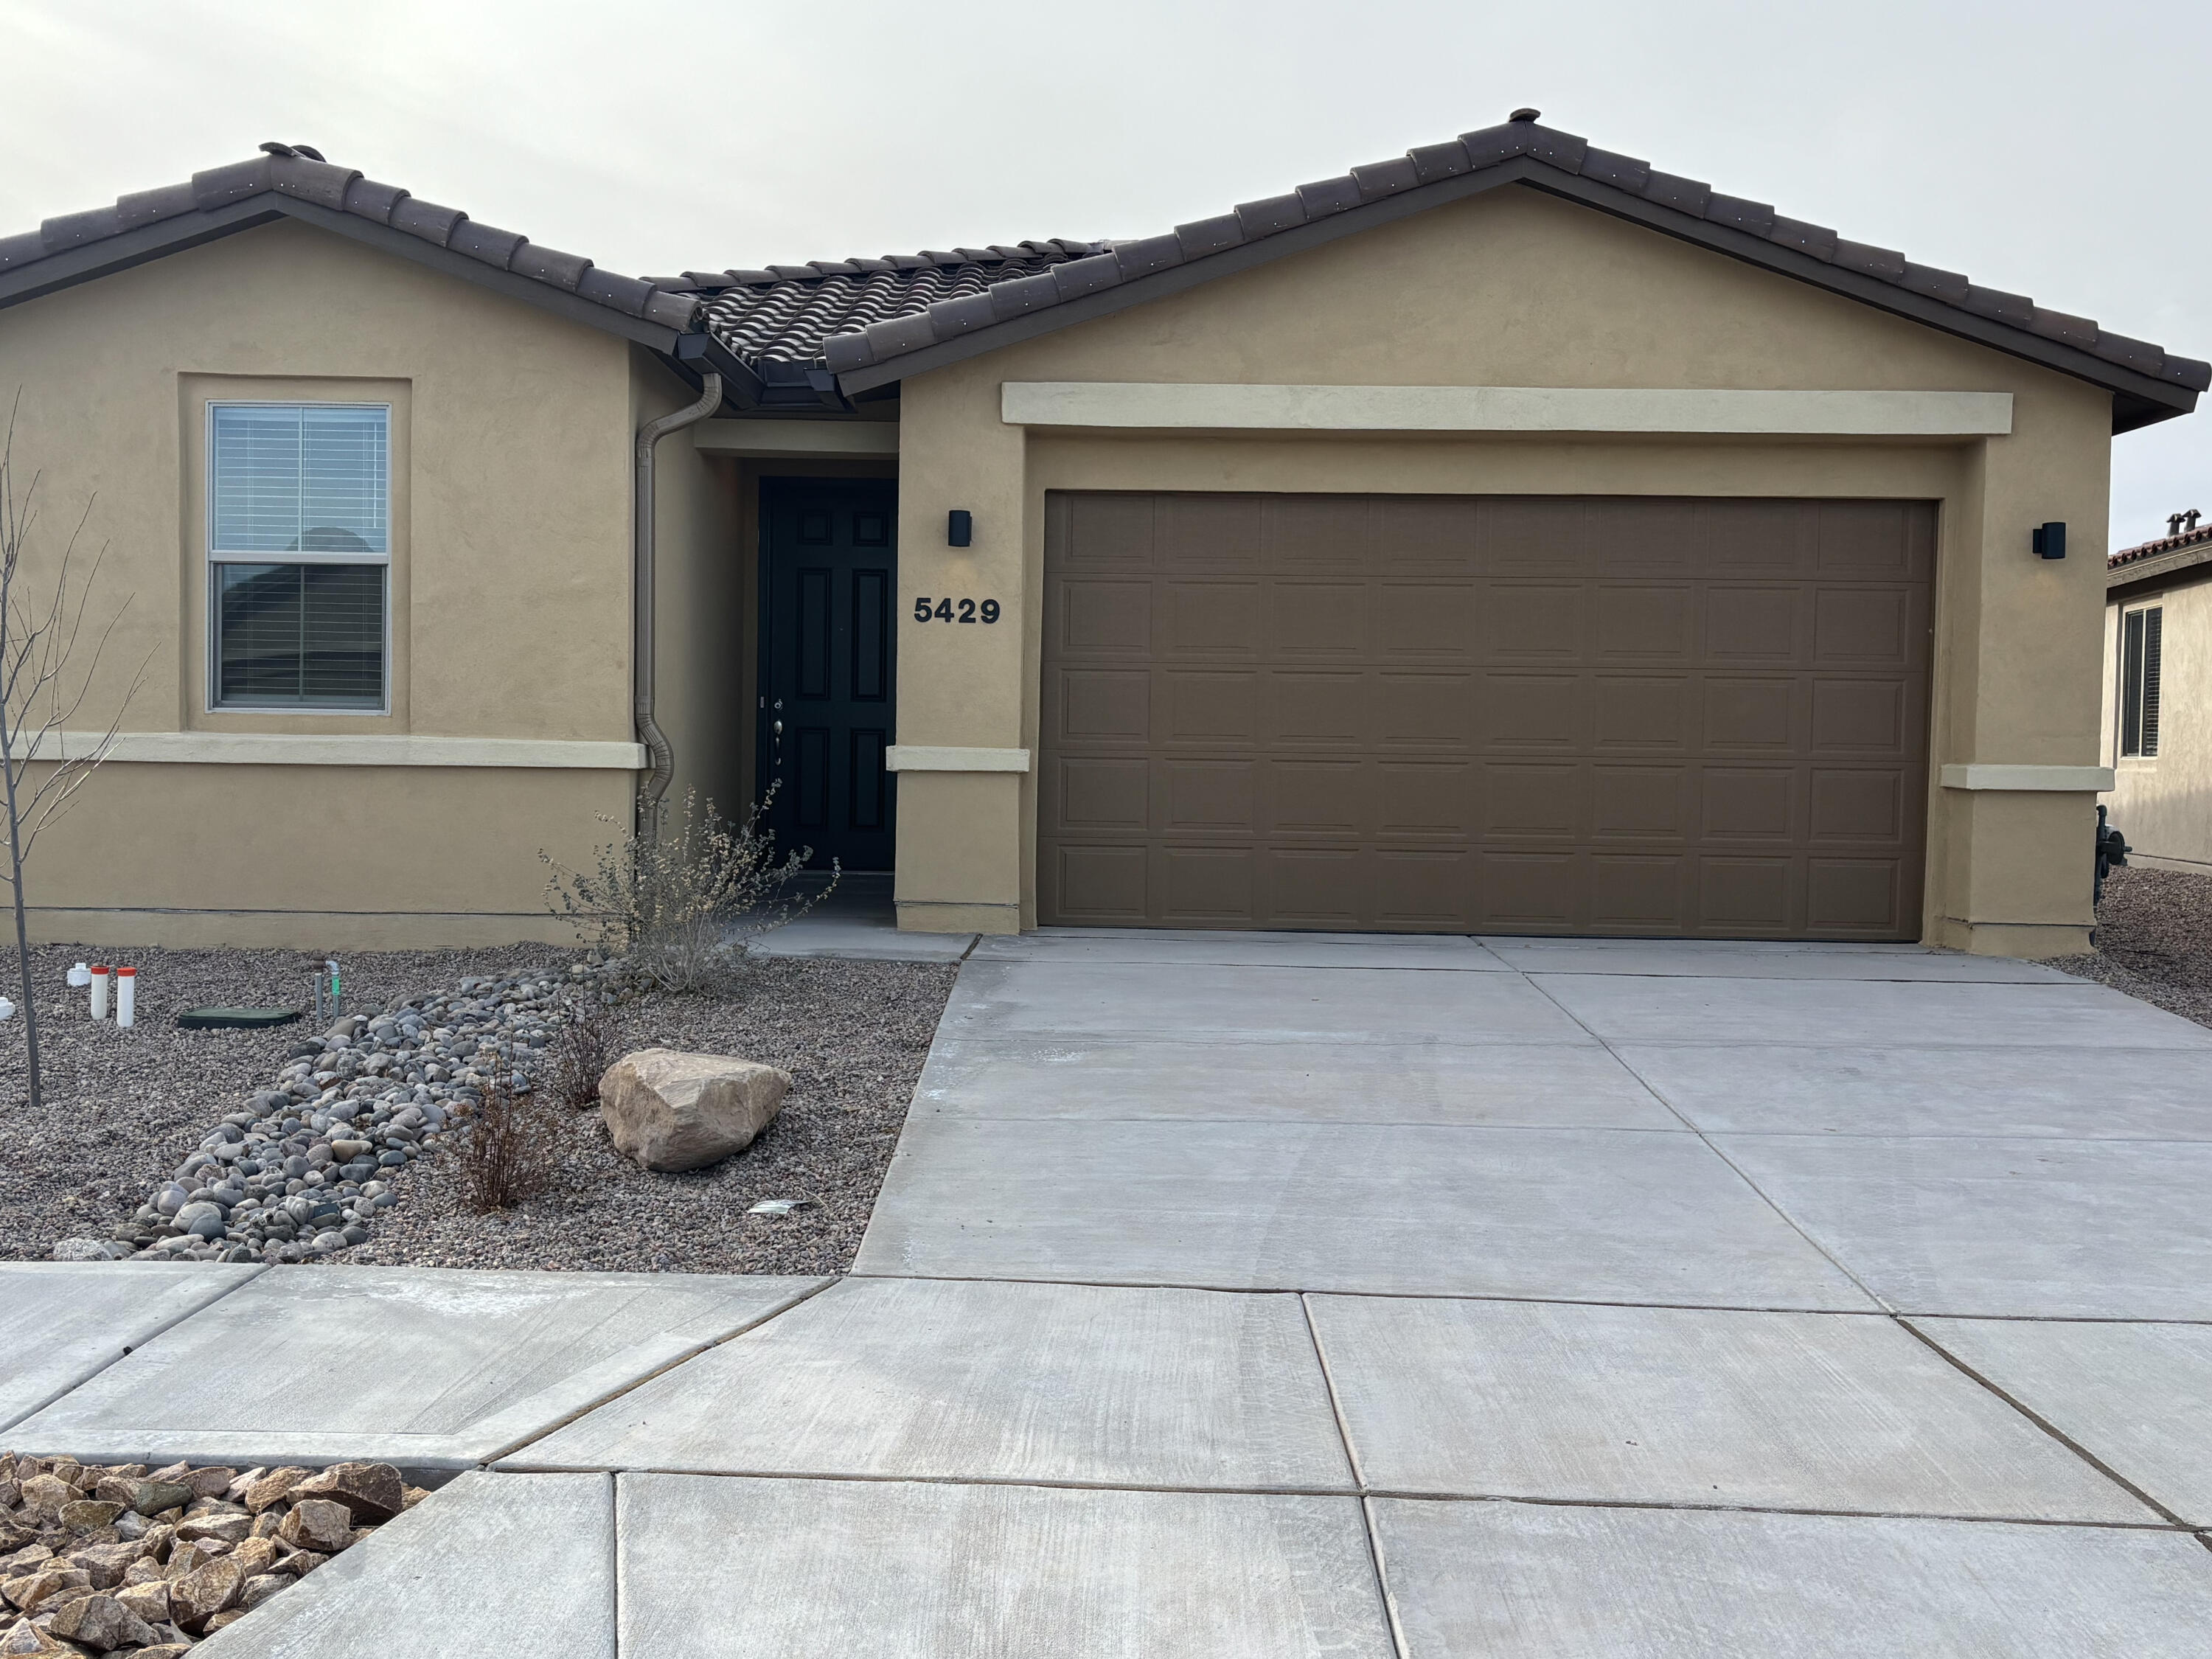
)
(770, 438)
(2040, 778)
(1157, 405)
(285, 748)
(921, 757)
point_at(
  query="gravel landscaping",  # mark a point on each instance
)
(2153, 940)
(127, 1112)
(123, 1559)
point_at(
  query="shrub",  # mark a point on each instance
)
(512, 1149)
(679, 903)
(582, 1048)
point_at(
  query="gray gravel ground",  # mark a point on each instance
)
(123, 1108)
(2154, 941)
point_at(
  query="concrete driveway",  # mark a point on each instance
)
(1252, 1295)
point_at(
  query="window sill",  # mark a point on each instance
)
(285, 748)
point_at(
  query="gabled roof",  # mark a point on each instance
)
(817, 333)
(292, 181)
(925, 332)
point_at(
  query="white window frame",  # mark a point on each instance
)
(215, 556)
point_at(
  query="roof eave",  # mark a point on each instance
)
(110, 254)
(2183, 567)
(2138, 400)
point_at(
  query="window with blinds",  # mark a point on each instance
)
(299, 543)
(2141, 641)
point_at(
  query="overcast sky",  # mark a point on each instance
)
(2062, 151)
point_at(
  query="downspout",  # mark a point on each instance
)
(660, 757)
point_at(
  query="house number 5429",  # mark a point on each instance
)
(966, 610)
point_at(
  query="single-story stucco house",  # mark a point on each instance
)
(2157, 733)
(1509, 536)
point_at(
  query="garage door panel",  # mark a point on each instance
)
(1853, 898)
(1301, 708)
(1537, 715)
(1209, 619)
(1199, 532)
(1319, 797)
(1101, 886)
(1427, 800)
(1415, 619)
(1640, 893)
(1534, 892)
(1531, 620)
(1299, 532)
(1749, 803)
(1643, 713)
(1089, 706)
(1640, 621)
(1210, 706)
(1749, 895)
(1642, 803)
(1087, 796)
(1757, 627)
(1316, 619)
(1747, 712)
(1425, 892)
(1316, 887)
(1424, 710)
(1103, 617)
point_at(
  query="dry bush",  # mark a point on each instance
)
(583, 1045)
(679, 902)
(512, 1149)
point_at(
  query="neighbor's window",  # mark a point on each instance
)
(2140, 632)
(298, 547)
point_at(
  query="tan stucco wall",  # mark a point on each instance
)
(2163, 804)
(1515, 289)
(511, 586)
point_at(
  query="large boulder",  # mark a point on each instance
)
(666, 1109)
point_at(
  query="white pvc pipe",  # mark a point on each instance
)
(126, 996)
(99, 991)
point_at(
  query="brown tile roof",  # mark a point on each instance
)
(786, 312)
(2200, 537)
(1517, 151)
(289, 178)
(810, 331)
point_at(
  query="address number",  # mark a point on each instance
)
(966, 610)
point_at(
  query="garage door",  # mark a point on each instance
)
(1485, 714)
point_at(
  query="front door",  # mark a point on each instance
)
(826, 709)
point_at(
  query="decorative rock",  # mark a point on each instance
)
(259, 1588)
(106, 1564)
(149, 1600)
(271, 1487)
(81, 1249)
(318, 1524)
(43, 1494)
(372, 1492)
(27, 1638)
(89, 1515)
(667, 1109)
(152, 1497)
(28, 1592)
(230, 1528)
(204, 1592)
(101, 1622)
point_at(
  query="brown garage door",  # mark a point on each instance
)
(1485, 714)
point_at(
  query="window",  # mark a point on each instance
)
(2140, 632)
(299, 551)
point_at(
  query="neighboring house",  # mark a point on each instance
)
(1507, 536)
(2158, 696)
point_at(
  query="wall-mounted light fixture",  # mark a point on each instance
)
(960, 527)
(2050, 541)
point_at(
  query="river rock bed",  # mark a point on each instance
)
(121, 1558)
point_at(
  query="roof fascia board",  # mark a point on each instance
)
(2164, 400)
(2187, 567)
(542, 296)
(110, 254)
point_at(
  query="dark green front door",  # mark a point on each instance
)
(827, 577)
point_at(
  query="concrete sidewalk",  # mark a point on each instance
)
(1250, 1295)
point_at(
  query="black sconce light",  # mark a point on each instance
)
(960, 527)
(2050, 541)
